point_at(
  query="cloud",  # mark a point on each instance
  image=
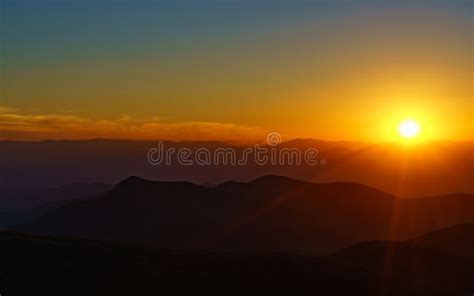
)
(4, 109)
(16, 126)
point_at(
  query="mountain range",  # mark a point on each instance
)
(431, 168)
(271, 213)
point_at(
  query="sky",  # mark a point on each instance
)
(235, 70)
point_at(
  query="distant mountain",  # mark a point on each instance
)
(23, 204)
(457, 240)
(33, 265)
(271, 213)
(431, 168)
(26, 198)
(10, 218)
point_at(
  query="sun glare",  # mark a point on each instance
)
(409, 128)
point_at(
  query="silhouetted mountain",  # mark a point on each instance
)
(52, 266)
(457, 240)
(433, 168)
(271, 213)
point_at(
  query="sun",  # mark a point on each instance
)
(409, 128)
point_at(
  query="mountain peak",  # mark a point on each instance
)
(132, 180)
(275, 179)
(134, 184)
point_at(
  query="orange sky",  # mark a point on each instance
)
(334, 72)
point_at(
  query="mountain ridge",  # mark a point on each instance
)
(271, 213)
(435, 169)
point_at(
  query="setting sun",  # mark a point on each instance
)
(409, 128)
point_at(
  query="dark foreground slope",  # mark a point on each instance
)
(271, 213)
(58, 266)
(33, 265)
(412, 266)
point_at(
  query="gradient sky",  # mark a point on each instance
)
(233, 70)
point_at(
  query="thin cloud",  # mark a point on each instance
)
(15, 126)
(4, 109)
